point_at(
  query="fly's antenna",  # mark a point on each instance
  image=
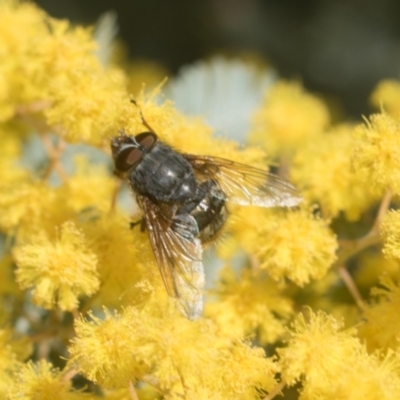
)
(122, 133)
(144, 122)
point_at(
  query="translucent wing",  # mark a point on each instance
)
(179, 256)
(246, 185)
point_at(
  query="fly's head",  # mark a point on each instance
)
(128, 151)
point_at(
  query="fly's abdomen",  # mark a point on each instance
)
(208, 209)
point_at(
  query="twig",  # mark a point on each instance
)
(152, 381)
(384, 206)
(352, 247)
(76, 314)
(28, 114)
(254, 263)
(69, 375)
(86, 307)
(32, 108)
(42, 336)
(43, 349)
(132, 391)
(351, 286)
(276, 390)
(54, 154)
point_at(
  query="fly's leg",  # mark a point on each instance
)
(141, 222)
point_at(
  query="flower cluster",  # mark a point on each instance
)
(50, 267)
(318, 352)
(161, 347)
(376, 153)
(311, 171)
(307, 298)
(288, 117)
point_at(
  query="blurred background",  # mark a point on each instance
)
(339, 48)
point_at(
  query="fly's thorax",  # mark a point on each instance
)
(164, 175)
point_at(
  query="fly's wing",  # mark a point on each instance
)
(179, 256)
(246, 185)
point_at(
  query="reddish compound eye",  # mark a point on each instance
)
(127, 158)
(128, 151)
(146, 140)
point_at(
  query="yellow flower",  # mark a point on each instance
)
(376, 153)
(331, 296)
(319, 353)
(9, 359)
(85, 98)
(69, 242)
(287, 118)
(287, 244)
(177, 356)
(390, 230)
(368, 377)
(28, 203)
(20, 198)
(297, 245)
(187, 135)
(386, 96)
(381, 328)
(126, 264)
(86, 107)
(323, 172)
(249, 303)
(371, 265)
(58, 271)
(90, 187)
(316, 350)
(51, 67)
(42, 381)
(22, 28)
(13, 178)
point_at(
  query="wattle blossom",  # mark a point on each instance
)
(307, 298)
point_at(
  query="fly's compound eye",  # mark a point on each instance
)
(127, 157)
(146, 140)
(129, 151)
